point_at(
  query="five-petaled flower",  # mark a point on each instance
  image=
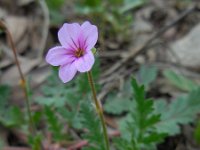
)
(75, 53)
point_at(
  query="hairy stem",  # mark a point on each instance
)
(98, 109)
(23, 82)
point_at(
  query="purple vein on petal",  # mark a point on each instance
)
(89, 37)
(80, 45)
(85, 45)
(74, 43)
(72, 48)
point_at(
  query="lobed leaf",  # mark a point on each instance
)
(91, 122)
(139, 125)
(180, 111)
(53, 124)
(147, 74)
(180, 81)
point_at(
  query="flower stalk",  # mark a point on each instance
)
(23, 82)
(98, 109)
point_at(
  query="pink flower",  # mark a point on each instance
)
(75, 53)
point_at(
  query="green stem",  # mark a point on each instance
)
(98, 109)
(27, 100)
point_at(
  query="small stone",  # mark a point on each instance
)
(187, 50)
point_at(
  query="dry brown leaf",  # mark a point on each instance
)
(11, 76)
(18, 27)
(39, 75)
(2, 13)
(24, 2)
(5, 62)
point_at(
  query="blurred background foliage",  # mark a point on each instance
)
(112, 16)
(65, 111)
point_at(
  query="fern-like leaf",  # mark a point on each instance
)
(180, 111)
(140, 125)
(91, 122)
(180, 81)
(54, 124)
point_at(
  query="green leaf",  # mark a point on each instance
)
(55, 5)
(147, 74)
(94, 50)
(51, 101)
(154, 137)
(55, 11)
(36, 116)
(93, 3)
(151, 120)
(121, 144)
(88, 6)
(56, 18)
(180, 111)
(61, 98)
(91, 122)
(197, 133)
(117, 106)
(35, 142)
(180, 81)
(4, 94)
(57, 94)
(71, 116)
(131, 4)
(12, 118)
(139, 125)
(2, 143)
(119, 102)
(54, 124)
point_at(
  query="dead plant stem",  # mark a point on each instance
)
(23, 82)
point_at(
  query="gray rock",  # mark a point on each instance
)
(187, 49)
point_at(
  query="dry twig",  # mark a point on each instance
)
(142, 49)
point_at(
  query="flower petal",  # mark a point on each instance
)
(89, 35)
(58, 56)
(68, 35)
(67, 72)
(85, 63)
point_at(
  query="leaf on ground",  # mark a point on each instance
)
(9, 115)
(51, 101)
(91, 122)
(197, 133)
(180, 111)
(61, 98)
(4, 94)
(13, 117)
(138, 128)
(54, 124)
(117, 103)
(131, 4)
(180, 81)
(35, 142)
(72, 117)
(147, 74)
(55, 5)
(1, 143)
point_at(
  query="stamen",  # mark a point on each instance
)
(79, 52)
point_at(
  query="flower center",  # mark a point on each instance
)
(79, 52)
